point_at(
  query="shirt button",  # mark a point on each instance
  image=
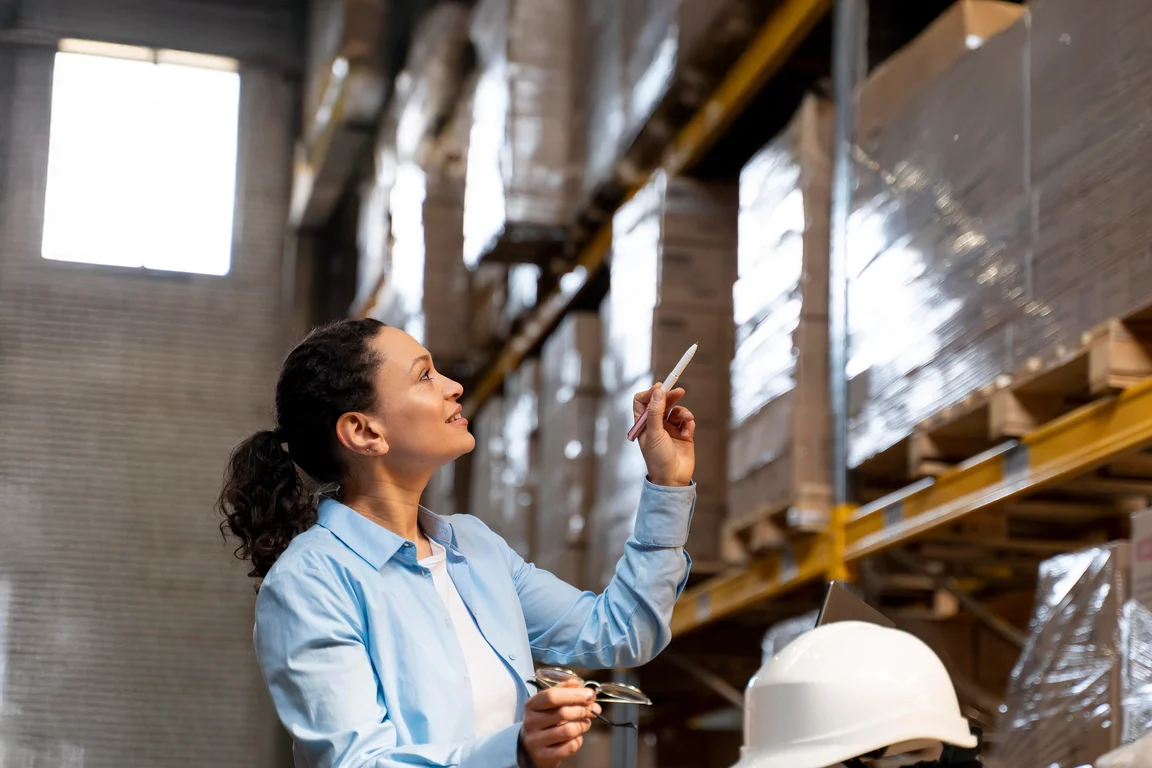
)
(447, 622)
(512, 657)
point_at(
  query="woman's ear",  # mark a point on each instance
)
(361, 434)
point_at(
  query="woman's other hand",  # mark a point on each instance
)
(555, 721)
(667, 438)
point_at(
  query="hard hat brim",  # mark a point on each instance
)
(845, 746)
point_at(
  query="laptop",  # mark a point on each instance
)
(841, 605)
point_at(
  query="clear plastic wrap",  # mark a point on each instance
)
(489, 461)
(780, 441)
(440, 493)
(520, 293)
(992, 215)
(782, 633)
(426, 276)
(522, 166)
(783, 258)
(620, 472)
(488, 295)
(416, 194)
(640, 49)
(1136, 671)
(569, 394)
(606, 92)
(372, 242)
(571, 359)
(433, 75)
(1081, 686)
(672, 266)
(519, 478)
(938, 244)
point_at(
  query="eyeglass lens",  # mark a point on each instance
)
(607, 693)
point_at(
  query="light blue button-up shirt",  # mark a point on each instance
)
(363, 663)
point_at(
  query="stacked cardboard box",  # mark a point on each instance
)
(523, 164)
(640, 52)
(421, 155)
(427, 277)
(936, 248)
(672, 269)
(427, 122)
(372, 241)
(440, 495)
(518, 512)
(992, 223)
(520, 294)
(569, 396)
(779, 457)
(489, 461)
(1080, 688)
(488, 286)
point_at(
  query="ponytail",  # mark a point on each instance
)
(263, 501)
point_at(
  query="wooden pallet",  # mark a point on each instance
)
(1111, 357)
(774, 525)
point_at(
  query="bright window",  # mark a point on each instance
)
(142, 159)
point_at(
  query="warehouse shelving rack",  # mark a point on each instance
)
(1068, 462)
(784, 31)
(1061, 455)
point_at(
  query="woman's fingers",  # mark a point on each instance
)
(641, 400)
(681, 422)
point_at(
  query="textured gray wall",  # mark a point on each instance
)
(125, 630)
(268, 33)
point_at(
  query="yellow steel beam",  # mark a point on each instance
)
(778, 39)
(838, 543)
(788, 26)
(766, 576)
(1061, 450)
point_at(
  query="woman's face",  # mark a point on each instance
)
(421, 417)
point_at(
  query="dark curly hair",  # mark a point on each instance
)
(264, 501)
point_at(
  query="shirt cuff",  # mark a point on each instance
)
(665, 515)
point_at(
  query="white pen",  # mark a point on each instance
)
(669, 385)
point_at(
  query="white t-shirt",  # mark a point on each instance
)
(494, 692)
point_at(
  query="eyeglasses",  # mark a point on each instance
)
(606, 693)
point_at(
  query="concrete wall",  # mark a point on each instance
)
(125, 629)
(268, 33)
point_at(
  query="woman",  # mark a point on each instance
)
(389, 636)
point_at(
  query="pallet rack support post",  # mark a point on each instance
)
(849, 66)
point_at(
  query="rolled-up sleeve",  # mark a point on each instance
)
(311, 651)
(629, 623)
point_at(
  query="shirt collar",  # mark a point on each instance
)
(375, 543)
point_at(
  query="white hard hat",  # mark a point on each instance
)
(848, 690)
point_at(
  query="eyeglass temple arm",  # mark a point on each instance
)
(603, 719)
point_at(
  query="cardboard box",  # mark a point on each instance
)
(571, 355)
(566, 488)
(966, 25)
(780, 447)
(646, 347)
(933, 333)
(696, 275)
